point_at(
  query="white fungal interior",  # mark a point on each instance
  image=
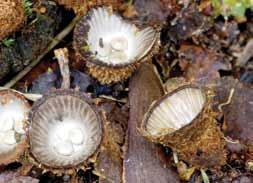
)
(68, 136)
(65, 131)
(175, 111)
(114, 41)
(13, 114)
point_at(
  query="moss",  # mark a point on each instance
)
(34, 38)
(233, 8)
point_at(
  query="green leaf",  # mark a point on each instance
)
(8, 42)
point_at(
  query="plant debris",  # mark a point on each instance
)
(201, 65)
(142, 157)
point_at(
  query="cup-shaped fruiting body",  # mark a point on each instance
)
(111, 46)
(14, 110)
(183, 120)
(12, 16)
(65, 131)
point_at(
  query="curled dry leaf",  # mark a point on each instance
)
(201, 65)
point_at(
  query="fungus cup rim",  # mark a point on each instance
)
(81, 30)
(22, 145)
(80, 96)
(156, 103)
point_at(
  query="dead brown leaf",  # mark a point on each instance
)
(201, 65)
(155, 11)
(187, 23)
(238, 114)
(14, 177)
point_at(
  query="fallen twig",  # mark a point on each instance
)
(124, 101)
(63, 61)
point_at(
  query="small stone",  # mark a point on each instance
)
(9, 138)
(61, 133)
(119, 44)
(76, 136)
(64, 148)
(6, 124)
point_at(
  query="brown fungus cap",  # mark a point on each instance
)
(183, 120)
(12, 16)
(14, 110)
(65, 131)
(112, 47)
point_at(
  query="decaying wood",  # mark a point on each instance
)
(110, 168)
(109, 164)
(143, 160)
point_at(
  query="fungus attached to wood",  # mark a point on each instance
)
(183, 120)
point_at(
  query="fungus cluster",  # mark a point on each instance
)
(65, 129)
(12, 16)
(14, 111)
(111, 46)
